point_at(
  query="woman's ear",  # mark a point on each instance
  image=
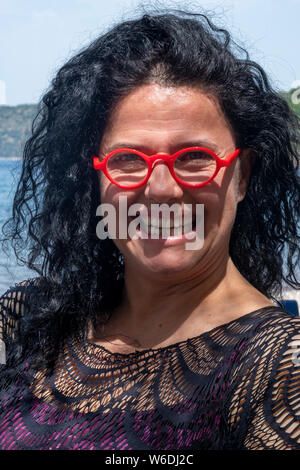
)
(247, 160)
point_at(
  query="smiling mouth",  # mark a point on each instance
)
(163, 229)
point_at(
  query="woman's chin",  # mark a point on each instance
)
(166, 261)
(165, 269)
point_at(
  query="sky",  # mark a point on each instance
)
(38, 36)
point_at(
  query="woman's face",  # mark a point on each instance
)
(159, 119)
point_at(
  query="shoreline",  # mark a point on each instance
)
(11, 158)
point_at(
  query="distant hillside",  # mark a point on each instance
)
(291, 96)
(15, 125)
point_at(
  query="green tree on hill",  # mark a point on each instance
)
(15, 127)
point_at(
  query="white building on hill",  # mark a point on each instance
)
(2, 93)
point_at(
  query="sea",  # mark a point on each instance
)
(11, 271)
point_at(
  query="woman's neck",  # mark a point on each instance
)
(156, 312)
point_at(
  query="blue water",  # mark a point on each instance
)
(10, 272)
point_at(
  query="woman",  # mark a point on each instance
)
(139, 342)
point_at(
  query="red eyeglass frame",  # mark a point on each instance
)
(169, 160)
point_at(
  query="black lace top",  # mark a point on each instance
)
(234, 387)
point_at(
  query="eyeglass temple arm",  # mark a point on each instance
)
(231, 158)
(98, 165)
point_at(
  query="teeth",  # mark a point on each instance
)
(157, 229)
(159, 223)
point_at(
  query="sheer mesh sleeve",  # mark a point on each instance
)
(12, 305)
(271, 383)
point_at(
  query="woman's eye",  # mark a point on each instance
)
(127, 157)
(196, 156)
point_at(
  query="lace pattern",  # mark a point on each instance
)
(234, 387)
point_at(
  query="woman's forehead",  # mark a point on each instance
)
(153, 112)
(154, 100)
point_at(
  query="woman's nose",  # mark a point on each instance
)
(161, 186)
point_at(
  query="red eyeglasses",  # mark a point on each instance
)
(192, 166)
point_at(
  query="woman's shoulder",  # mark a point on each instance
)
(12, 306)
(14, 296)
(274, 319)
(269, 338)
(272, 325)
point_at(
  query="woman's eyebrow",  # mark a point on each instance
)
(121, 145)
(201, 143)
(142, 147)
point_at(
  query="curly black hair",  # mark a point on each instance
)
(54, 219)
